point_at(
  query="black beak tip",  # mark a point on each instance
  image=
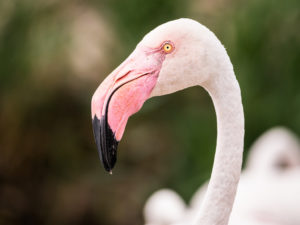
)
(106, 143)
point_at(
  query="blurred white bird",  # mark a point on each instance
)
(164, 207)
(268, 192)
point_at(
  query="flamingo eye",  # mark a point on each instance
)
(168, 48)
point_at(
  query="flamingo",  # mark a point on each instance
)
(276, 150)
(268, 193)
(276, 154)
(164, 207)
(174, 56)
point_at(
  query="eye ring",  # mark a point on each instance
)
(168, 47)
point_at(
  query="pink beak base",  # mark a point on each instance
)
(120, 95)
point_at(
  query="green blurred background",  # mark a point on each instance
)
(54, 54)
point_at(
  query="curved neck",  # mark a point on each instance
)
(218, 201)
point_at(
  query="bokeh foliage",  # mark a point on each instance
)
(49, 168)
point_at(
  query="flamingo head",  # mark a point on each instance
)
(171, 57)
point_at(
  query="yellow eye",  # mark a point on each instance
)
(168, 48)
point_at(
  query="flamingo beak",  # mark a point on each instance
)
(106, 142)
(119, 96)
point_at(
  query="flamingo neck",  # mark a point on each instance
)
(218, 201)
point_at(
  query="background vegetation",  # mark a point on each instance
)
(53, 55)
